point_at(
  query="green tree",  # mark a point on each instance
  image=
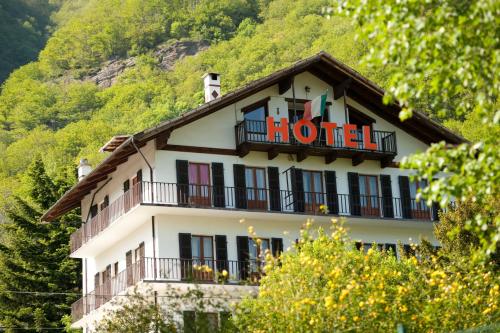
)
(458, 241)
(325, 285)
(446, 53)
(34, 257)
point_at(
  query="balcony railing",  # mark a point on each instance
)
(255, 131)
(254, 199)
(169, 269)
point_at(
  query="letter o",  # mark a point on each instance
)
(313, 131)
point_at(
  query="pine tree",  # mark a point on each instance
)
(34, 256)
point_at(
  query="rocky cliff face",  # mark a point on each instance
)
(107, 75)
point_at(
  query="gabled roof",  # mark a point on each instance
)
(322, 65)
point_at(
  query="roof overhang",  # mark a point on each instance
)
(322, 65)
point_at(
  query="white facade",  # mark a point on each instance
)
(158, 223)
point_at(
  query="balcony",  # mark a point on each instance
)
(169, 270)
(249, 199)
(251, 135)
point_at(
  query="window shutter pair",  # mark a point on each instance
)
(355, 197)
(185, 253)
(240, 187)
(218, 189)
(243, 253)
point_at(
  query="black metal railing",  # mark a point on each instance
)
(249, 198)
(246, 272)
(255, 131)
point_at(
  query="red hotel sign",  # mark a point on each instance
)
(350, 133)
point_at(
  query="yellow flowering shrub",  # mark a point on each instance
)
(324, 285)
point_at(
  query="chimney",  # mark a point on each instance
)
(212, 86)
(83, 169)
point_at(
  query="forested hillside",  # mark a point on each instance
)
(49, 109)
(24, 28)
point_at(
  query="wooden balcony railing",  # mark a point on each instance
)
(169, 269)
(254, 199)
(255, 131)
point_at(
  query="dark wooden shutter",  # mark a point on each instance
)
(274, 188)
(130, 272)
(332, 200)
(93, 211)
(189, 318)
(387, 205)
(126, 186)
(139, 175)
(221, 252)
(142, 261)
(354, 197)
(297, 182)
(218, 184)
(391, 247)
(404, 191)
(185, 255)
(182, 169)
(240, 187)
(97, 281)
(435, 210)
(106, 201)
(243, 264)
(276, 246)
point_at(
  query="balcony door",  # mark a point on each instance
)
(256, 255)
(419, 210)
(313, 191)
(256, 188)
(255, 121)
(199, 184)
(369, 197)
(202, 251)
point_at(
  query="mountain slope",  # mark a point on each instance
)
(50, 112)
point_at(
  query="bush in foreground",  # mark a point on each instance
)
(326, 285)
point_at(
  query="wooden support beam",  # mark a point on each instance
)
(329, 158)
(388, 162)
(284, 85)
(338, 90)
(357, 159)
(301, 155)
(243, 151)
(272, 154)
(162, 140)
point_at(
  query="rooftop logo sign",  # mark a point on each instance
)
(350, 133)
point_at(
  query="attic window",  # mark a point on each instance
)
(359, 118)
(213, 76)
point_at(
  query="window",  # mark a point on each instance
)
(199, 184)
(380, 247)
(202, 252)
(202, 249)
(369, 198)
(196, 322)
(255, 179)
(256, 253)
(255, 120)
(313, 190)
(419, 209)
